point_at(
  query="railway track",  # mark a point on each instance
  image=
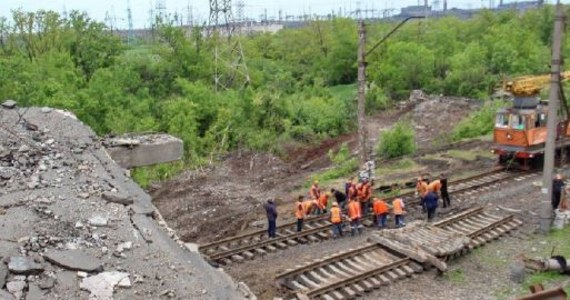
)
(352, 273)
(316, 229)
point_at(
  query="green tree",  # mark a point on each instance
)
(397, 141)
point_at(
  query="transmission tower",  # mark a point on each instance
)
(229, 60)
(161, 9)
(130, 20)
(189, 16)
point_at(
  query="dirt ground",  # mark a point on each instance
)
(482, 274)
(225, 200)
(232, 192)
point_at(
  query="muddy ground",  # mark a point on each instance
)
(226, 199)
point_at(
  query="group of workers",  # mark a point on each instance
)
(356, 202)
(430, 192)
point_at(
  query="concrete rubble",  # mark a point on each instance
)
(66, 206)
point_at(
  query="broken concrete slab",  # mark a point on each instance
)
(24, 265)
(117, 198)
(101, 285)
(16, 288)
(4, 295)
(145, 150)
(34, 292)
(92, 172)
(9, 104)
(75, 260)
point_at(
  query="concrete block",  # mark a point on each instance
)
(144, 150)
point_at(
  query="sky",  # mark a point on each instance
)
(99, 9)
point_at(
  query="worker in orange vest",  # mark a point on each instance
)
(315, 191)
(421, 191)
(299, 213)
(399, 210)
(322, 203)
(336, 220)
(380, 208)
(363, 193)
(308, 206)
(354, 215)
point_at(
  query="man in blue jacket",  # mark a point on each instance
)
(430, 201)
(271, 211)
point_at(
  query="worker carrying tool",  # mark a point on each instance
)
(363, 193)
(399, 210)
(336, 220)
(444, 191)
(315, 191)
(354, 215)
(381, 210)
(300, 213)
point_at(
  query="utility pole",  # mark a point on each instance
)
(552, 122)
(362, 53)
(362, 130)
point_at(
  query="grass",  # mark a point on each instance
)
(340, 171)
(344, 91)
(544, 245)
(469, 155)
(144, 176)
(403, 165)
(455, 276)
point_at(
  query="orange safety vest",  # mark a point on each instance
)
(380, 207)
(422, 188)
(300, 211)
(364, 192)
(335, 215)
(307, 206)
(397, 205)
(354, 210)
(434, 186)
(323, 201)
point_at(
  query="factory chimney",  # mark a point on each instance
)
(444, 5)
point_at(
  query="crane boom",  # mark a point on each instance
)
(527, 86)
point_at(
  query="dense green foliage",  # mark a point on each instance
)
(343, 164)
(396, 141)
(302, 80)
(480, 122)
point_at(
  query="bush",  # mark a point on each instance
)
(479, 123)
(397, 141)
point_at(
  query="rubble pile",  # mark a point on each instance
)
(73, 225)
(434, 114)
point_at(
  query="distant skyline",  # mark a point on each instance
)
(199, 9)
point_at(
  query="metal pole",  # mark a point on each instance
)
(362, 130)
(552, 122)
(362, 53)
